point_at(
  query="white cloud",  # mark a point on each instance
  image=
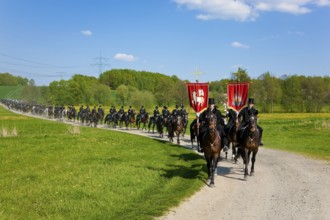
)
(296, 33)
(239, 45)
(322, 2)
(125, 57)
(220, 9)
(86, 32)
(247, 10)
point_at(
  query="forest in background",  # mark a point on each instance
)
(124, 87)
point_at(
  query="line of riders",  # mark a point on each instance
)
(159, 119)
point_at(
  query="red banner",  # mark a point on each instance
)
(198, 96)
(237, 95)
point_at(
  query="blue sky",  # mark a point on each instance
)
(49, 40)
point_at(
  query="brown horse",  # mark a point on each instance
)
(232, 138)
(130, 119)
(144, 119)
(249, 140)
(211, 143)
(175, 125)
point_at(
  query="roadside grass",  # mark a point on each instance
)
(54, 170)
(304, 133)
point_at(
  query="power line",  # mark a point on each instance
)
(33, 62)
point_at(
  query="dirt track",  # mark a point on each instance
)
(285, 186)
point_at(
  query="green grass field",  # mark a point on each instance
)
(307, 134)
(12, 92)
(58, 171)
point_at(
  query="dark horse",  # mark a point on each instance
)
(249, 140)
(130, 119)
(175, 125)
(144, 119)
(160, 123)
(193, 134)
(152, 124)
(211, 143)
(232, 138)
(94, 118)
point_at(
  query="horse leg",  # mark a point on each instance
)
(253, 160)
(235, 152)
(213, 169)
(215, 160)
(245, 157)
(178, 138)
(209, 167)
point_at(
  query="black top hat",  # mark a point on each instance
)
(251, 101)
(211, 101)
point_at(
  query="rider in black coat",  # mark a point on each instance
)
(244, 116)
(156, 112)
(220, 123)
(231, 114)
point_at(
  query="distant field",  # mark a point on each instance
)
(11, 92)
(303, 133)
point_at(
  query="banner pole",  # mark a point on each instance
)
(197, 114)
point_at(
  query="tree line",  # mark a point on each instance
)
(129, 87)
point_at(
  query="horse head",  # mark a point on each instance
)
(252, 123)
(211, 121)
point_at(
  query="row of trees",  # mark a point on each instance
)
(6, 79)
(286, 94)
(129, 87)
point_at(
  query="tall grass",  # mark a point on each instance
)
(52, 170)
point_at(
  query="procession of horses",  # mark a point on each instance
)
(243, 142)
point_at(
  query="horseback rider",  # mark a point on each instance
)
(100, 110)
(176, 111)
(121, 110)
(130, 110)
(113, 110)
(165, 112)
(94, 110)
(87, 109)
(220, 124)
(183, 113)
(156, 112)
(232, 115)
(142, 113)
(244, 116)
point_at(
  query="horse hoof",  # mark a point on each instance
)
(245, 177)
(252, 174)
(212, 185)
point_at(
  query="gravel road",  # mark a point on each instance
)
(285, 186)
